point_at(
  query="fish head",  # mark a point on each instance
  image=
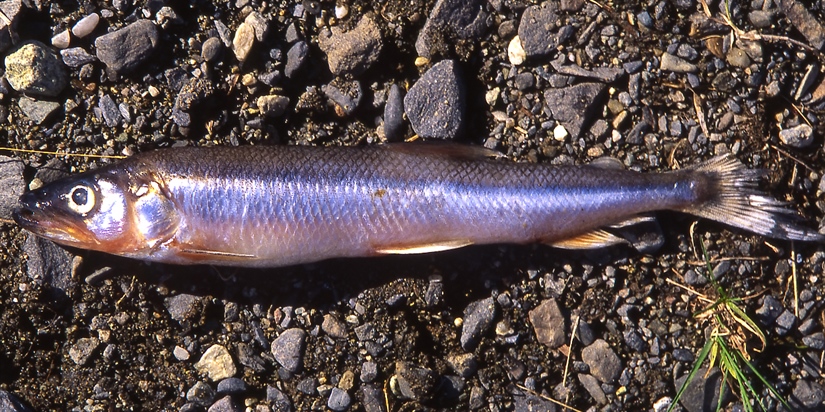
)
(110, 211)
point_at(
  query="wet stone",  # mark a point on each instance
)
(537, 29)
(288, 349)
(200, 393)
(478, 317)
(231, 386)
(573, 106)
(125, 49)
(278, 400)
(75, 57)
(339, 400)
(295, 58)
(352, 52)
(37, 111)
(548, 324)
(449, 21)
(34, 69)
(225, 404)
(11, 403)
(83, 350)
(216, 363)
(604, 364)
(435, 104)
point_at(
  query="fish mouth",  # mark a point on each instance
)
(46, 221)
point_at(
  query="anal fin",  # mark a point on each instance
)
(422, 248)
(594, 239)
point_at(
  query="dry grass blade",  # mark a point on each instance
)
(547, 398)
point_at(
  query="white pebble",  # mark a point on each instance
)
(515, 52)
(86, 25)
(61, 40)
(560, 133)
(341, 11)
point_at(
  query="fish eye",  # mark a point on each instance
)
(81, 199)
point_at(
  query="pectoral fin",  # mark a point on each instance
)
(591, 240)
(422, 248)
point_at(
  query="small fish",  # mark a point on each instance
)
(278, 206)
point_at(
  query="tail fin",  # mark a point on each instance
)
(737, 201)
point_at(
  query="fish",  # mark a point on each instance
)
(272, 206)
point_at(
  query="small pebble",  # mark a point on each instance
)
(86, 25)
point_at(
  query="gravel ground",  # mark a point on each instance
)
(655, 84)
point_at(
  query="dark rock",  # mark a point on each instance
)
(635, 341)
(671, 63)
(683, 355)
(591, 384)
(334, 327)
(525, 81)
(83, 350)
(798, 137)
(394, 114)
(34, 69)
(464, 364)
(37, 111)
(352, 52)
(450, 388)
(211, 49)
(785, 322)
(231, 386)
(11, 180)
(225, 404)
(702, 393)
(48, 264)
(8, 401)
(604, 364)
(278, 400)
(365, 332)
(8, 25)
(184, 308)
(528, 402)
(192, 94)
(125, 49)
(248, 357)
(769, 311)
(346, 95)
(548, 324)
(308, 386)
(573, 106)
(814, 341)
(75, 57)
(476, 398)
(372, 398)
(414, 382)
(339, 400)
(478, 317)
(435, 103)
(369, 371)
(200, 393)
(288, 349)
(537, 29)
(109, 110)
(295, 58)
(450, 21)
(804, 21)
(807, 395)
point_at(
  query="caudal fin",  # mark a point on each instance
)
(737, 201)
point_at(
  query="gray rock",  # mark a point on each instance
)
(231, 386)
(671, 63)
(75, 57)
(814, 341)
(806, 394)
(34, 69)
(295, 58)
(394, 114)
(450, 21)
(211, 49)
(592, 386)
(527, 402)
(37, 111)
(11, 403)
(702, 393)
(478, 317)
(288, 349)
(200, 394)
(450, 388)
(369, 371)
(8, 28)
(435, 104)
(11, 180)
(414, 382)
(434, 294)
(785, 322)
(573, 106)
(372, 398)
(352, 52)
(334, 327)
(538, 29)
(308, 386)
(634, 341)
(259, 24)
(346, 95)
(48, 264)
(477, 395)
(83, 350)
(604, 364)
(193, 93)
(525, 81)
(807, 24)
(278, 400)
(464, 364)
(109, 110)
(225, 404)
(125, 49)
(339, 400)
(217, 363)
(761, 19)
(799, 136)
(769, 311)
(548, 324)
(273, 105)
(184, 307)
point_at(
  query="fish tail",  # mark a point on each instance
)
(733, 198)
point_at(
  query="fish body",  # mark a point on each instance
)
(278, 206)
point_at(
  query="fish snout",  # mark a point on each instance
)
(28, 206)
